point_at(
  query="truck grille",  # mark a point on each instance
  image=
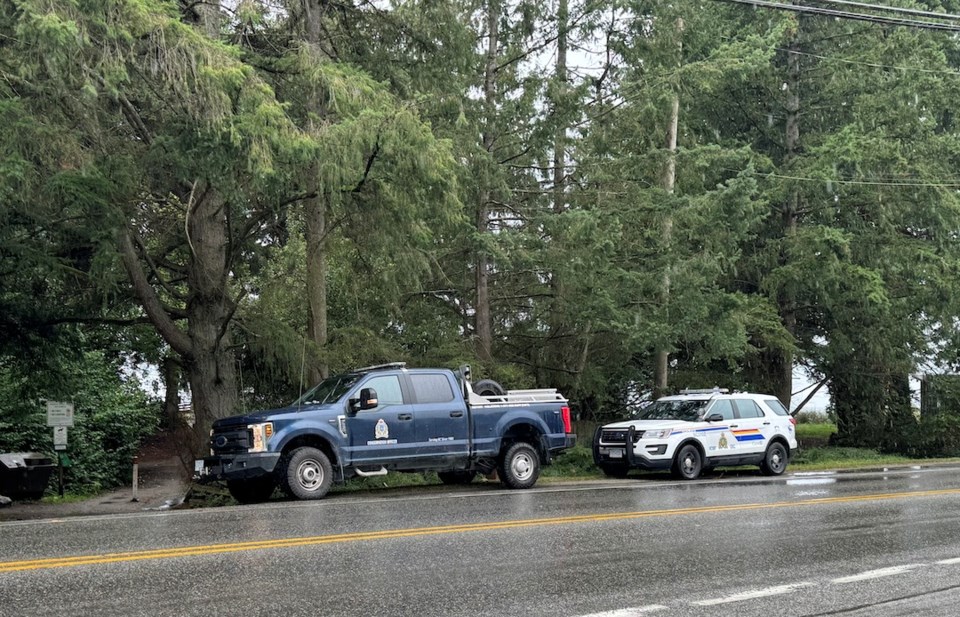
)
(618, 436)
(231, 441)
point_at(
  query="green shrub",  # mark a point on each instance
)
(111, 418)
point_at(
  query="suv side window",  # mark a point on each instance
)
(776, 406)
(724, 407)
(749, 409)
(388, 390)
(432, 388)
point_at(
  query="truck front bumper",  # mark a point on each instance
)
(235, 466)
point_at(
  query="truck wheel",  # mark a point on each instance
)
(457, 477)
(775, 460)
(309, 473)
(688, 463)
(615, 471)
(254, 490)
(488, 387)
(520, 466)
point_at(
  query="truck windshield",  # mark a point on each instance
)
(687, 411)
(327, 391)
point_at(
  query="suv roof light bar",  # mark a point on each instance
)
(713, 390)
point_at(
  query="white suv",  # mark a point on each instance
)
(697, 430)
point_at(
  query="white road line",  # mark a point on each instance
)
(949, 562)
(872, 574)
(756, 593)
(629, 612)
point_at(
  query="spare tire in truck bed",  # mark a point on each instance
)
(488, 387)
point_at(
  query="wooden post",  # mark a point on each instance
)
(136, 478)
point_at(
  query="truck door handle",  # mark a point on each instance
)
(404, 416)
(456, 414)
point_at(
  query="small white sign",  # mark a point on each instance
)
(59, 438)
(59, 414)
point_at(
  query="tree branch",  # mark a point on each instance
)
(174, 336)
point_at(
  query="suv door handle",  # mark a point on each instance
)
(734, 425)
(404, 416)
(766, 424)
(456, 414)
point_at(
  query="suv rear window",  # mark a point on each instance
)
(749, 409)
(776, 406)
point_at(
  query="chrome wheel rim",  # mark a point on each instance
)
(310, 475)
(522, 466)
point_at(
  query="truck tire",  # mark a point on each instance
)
(309, 473)
(255, 490)
(457, 477)
(520, 466)
(488, 387)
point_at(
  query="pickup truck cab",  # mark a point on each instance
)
(698, 430)
(379, 419)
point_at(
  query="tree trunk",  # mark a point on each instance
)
(668, 182)
(786, 302)
(316, 217)
(483, 319)
(170, 370)
(315, 210)
(211, 365)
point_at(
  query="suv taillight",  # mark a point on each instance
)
(565, 412)
(793, 421)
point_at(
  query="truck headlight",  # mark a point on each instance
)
(261, 435)
(660, 433)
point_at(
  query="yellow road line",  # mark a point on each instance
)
(212, 549)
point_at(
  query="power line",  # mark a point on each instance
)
(876, 19)
(892, 9)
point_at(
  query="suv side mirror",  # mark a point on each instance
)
(368, 398)
(715, 417)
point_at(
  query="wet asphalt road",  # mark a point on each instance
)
(879, 543)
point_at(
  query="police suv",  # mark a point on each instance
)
(698, 430)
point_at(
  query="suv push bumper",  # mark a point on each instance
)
(628, 456)
(235, 466)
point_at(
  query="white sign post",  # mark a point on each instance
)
(59, 438)
(59, 414)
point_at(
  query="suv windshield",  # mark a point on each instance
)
(688, 411)
(328, 390)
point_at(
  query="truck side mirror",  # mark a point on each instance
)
(368, 398)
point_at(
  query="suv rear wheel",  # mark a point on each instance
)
(775, 460)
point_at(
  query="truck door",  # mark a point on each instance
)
(385, 433)
(442, 422)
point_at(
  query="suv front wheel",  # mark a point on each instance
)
(688, 463)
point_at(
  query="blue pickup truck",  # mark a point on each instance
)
(379, 419)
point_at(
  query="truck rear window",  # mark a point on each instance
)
(432, 388)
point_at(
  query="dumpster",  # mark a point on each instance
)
(25, 474)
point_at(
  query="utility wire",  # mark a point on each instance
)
(876, 19)
(891, 9)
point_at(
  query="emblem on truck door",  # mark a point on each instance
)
(381, 431)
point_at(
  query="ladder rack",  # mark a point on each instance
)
(543, 395)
